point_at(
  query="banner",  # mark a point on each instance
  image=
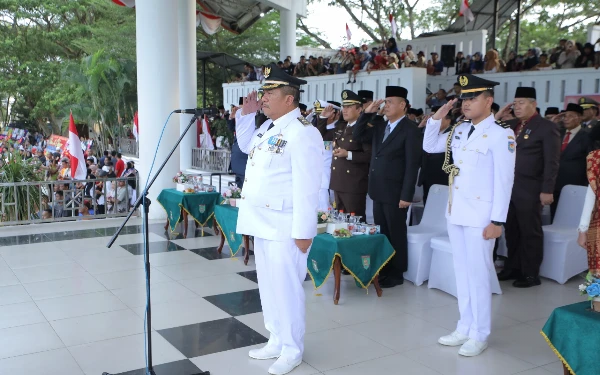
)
(56, 143)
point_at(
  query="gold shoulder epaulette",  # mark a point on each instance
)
(304, 121)
(503, 124)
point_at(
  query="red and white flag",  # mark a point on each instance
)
(136, 126)
(466, 11)
(348, 32)
(125, 3)
(78, 167)
(394, 25)
(205, 137)
(210, 23)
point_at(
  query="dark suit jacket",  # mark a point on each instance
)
(350, 176)
(395, 162)
(572, 169)
(329, 134)
(538, 155)
(431, 168)
(238, 157)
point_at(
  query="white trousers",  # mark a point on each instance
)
(472, 261)
(281, 270)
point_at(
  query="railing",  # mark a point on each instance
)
(33, 202)
(214, 161)
(129, 146)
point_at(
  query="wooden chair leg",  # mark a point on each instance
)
(185, 224)
(337, 272)
(377, 287)
(566, 370)
(215, 227)
(246, 248)
(167, 225)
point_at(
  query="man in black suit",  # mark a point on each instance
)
(576, 144)
(536, 168)
(395, 161)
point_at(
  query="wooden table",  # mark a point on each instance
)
(179, 206)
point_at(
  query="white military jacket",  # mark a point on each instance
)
(280, 197)
(481, 191)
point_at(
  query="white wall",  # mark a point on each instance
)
(298, 5)
(551, 86)
(330, 87)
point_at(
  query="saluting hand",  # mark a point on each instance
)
(424, 121)
(374, 106)
(251, 104)
(443, 111)
(328, 111)
(233, 112)
(503, 111)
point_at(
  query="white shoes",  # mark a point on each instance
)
(283, 366)
(266, 352)
(454, 339)
(472, 348)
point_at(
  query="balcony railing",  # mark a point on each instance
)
(213, 161)
(129, 147)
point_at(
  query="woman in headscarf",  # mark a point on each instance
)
(569, 56)
(492, 62)
(586, 59)
(392, 47)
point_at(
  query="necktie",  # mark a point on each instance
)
(471, 131)
(270, 126)
(565, 142)
(388, 128)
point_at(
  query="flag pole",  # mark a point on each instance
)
(465, 19)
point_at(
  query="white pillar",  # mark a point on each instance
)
(593, 33)
(287, 34)
(188, 88)
(158, 92)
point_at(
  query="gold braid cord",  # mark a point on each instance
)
(451, 169)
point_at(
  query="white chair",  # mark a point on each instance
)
(442, 275)
(563, 257)
(433, 224)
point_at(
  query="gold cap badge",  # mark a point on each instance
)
(267, 72)
(463, 80)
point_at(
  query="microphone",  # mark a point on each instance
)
(198, 111)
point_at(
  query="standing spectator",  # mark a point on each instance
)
(543, 65)
(120, 165)
(438, 66)
(458, 63)
(569, 56)
(85, 211)
(65, 170)
(476, 64)
(531, 59)
(393, 61)
(421, 61)
(392, 47)
(586, 59)
(250, 73)
(365, 56)
(300, 70)
(492, 62)
(103, 159)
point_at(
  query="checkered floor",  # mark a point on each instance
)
(70, 306)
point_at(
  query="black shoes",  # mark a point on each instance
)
(507, 274)
(345, 272)
(527, 282)
(388, 282)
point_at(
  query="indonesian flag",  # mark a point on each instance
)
(205, 137)
(136, 126)
(210, 23)
(466, 11)
(348, 32)
(78, 167)
(125, 3)
(394, 26)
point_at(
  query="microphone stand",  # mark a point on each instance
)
(145, 202)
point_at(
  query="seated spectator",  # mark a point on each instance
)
(476, 64)
(531, 59)
(47, 214)
(543, 65)
(587, 58)
(85, 211)
(409, 57)
(456, 90)
(379, 62)
(250, 74)
(393, 61)
(492, 62)
(300, 70)
(287, 67)
(314, 68)
(438, 66)
(430, 68)
(555, 53)
(421, 61)
(568, 57)
(438, 99)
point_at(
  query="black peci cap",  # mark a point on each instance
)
(350, 98)
(572, 107)
(472, 86)
(495, 107)
(396, 92)
(365, 94)
(302, 106)
(551, 111)
(525, 92)
(276, 78)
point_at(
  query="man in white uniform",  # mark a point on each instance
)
(279, 208)
(480, 185)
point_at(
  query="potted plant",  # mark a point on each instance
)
(323, 217)
(232, 195)
(591, 287)
(183, 181)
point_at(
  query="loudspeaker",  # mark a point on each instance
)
(448, 55)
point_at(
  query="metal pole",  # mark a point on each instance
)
(203, 83)
(495, 27)
(518, 28)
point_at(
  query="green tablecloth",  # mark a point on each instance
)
(200, 206)
(226, 217)
(363, 256)
(573, 333)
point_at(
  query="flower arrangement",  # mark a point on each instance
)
(323, 217)
(591, 287)
(181, 178)
(233, 192)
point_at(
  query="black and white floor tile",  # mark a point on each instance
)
(71, 306)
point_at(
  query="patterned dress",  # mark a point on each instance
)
(593, 234)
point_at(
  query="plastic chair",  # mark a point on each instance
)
(563, 257)
(433, 224)
(442, 275)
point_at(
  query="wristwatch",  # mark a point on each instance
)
(497, 223)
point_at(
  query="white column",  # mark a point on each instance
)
(593, 33)
(287, 34)
(188, 88)
(158, 92)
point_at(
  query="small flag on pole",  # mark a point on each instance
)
(466, 11)
(348, 32)
(136, 126)
(78, 167)
(394, 25)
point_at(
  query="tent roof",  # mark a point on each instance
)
(483, 10)
(222, 59)
(236, 15)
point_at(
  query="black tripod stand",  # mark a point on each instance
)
(145, 203)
